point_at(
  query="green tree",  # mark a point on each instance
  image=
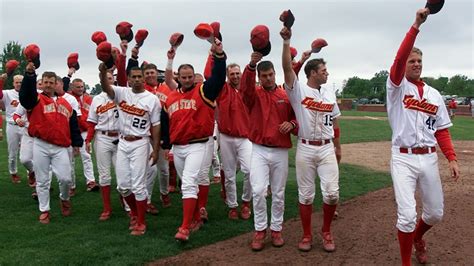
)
(12, 50)
(358, 87)
(96, 89)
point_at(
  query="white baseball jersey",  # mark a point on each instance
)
(413, 120)
(314, 110)
(73, 102)
(11, 100)
(104, 113)
(138, 112)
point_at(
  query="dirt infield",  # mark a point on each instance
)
(364, 232)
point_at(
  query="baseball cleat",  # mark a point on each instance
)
(72, 192)
(216, 180)
(233, 214)
(306, 243)
(328, 242)
(245, 212)
(203, 213)
(258, 242)
(132, 223)
(182, 235)
(165, 201)
(420, 252)
(92, 186)
(15, 179)
(138, 230)
(31, 179)
(44, 218)
(151, 209)
(34, 195)
(66, 208)
(277, 239)
(105, 215)
(195, 226)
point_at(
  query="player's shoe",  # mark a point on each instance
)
(306, 243)
(245, 212)
(15, 179)
(258, 241)
(138, 230)
(31, 179)
(233, 214)
(328, 242)
(195, 226)
(151, 209)
(420, 251)
(277, 239)
(105, 215)
(182, 235)
(132, 223)
(34, 195)
(172, 189)
(44, 218)
(72, 192)
(165, 201)
(66, 208)
(92, 186)
(216, 180)
(203, 213)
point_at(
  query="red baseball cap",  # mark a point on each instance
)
(260, 39)
(293, 52)
(204, 31)
(10, 66)
(216, 27)
(98, 37)
(73, 61)
(124, 30)
(32, 54)
(317, 44)
(141, 36)
(176, 39)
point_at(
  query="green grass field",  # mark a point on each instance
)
(82, 239)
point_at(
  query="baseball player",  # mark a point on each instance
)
(316, 112)
(216, 162)
(84, 100)
(419, 120)
(14, 132)
(139, 123)
(190, 110)
(103, 126)
(235, 147)
(54, 127)
(26, 146)
(272, 120)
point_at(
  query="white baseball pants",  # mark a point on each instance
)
(161, 167)
(131, 167)
(269, 165)
(105, 156)
(14, 134)
(26, 150)
(408, 172)
(49, 156)
(236, 151)
(321, 160)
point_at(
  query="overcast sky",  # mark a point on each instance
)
(363, 36)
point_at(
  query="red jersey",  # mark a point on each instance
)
(267, 109)
(161, 91)
(233, 119)
(49, 120)
(85, 101)
(191, 115)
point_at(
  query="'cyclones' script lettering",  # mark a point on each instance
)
(422, 106)
(311, 104)
(105, 107)
(131, 109)
(182, 104)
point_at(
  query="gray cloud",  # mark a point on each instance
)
(363, 36)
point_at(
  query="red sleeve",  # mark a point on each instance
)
(397, 71)
(83, 124)
(208, 69)
(90, 131)
(15, 117)
(121, 72)
(247, 86)
(297, 67)
(446, 145)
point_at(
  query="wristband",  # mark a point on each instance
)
(286, 41)
(337, 133)
(169, 65)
